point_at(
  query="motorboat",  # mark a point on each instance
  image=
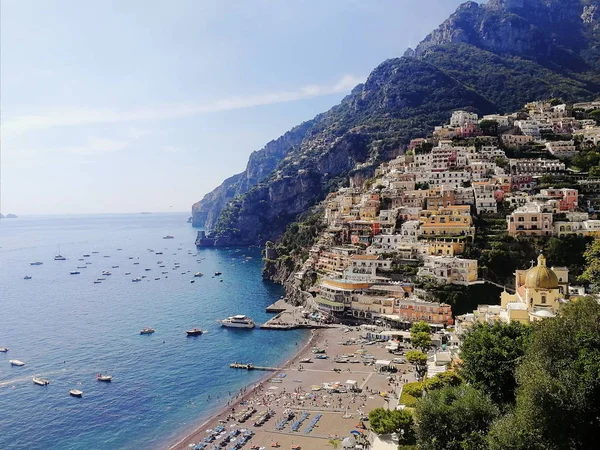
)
(88, 262)
(115, 267)
(107, 256)
(198, 274)
(16, 362)
(86, 256)
(82, 267)
(41, 381)
(157, 278)
(193, 281)
(3, 349)
(305, 360)
(97, 282)
(194, 332)
(27, 277)
(136, 279)
(74, 272)
(95, 252)
(127, 273)
(147, 270)
(37, 263)
(218, 273)
(238, 321)
(105, 378)
(106, 272)
(76, 393)
(136, 263)
(158, 253)
(168, 236)
(147, 330)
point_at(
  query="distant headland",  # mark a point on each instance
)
(8, 216)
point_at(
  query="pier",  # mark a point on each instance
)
(253, 367)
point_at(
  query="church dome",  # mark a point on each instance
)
(541, 277)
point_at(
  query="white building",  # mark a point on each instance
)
(446, 270)
(561, 149)
(462, 118)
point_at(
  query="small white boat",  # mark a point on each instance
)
(58, 256)
(16, 362)
(305, 360)
(194, 332)
(136, 279)
(147, 330)
(238, 321)
(106, 272)
(168, 236)
(105, 378)
(3, 349)
(76, 393)
(198, 274)
(41, 381)
(27, 277)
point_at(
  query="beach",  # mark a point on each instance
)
(326, 404)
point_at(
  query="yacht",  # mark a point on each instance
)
(58, 256)
(41, 381)
(16, 362)
(194, 332)
(75, 393)
(105, 378)
(3, 349)
(37, 263)
(239, 321)
(198, 274)
(147, 330)
(218, 273)
(27, 277)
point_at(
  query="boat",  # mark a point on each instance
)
(95, 252)
(198, 274)
(41, 381)
(239, 321)
(86, 256)
(74, 272)
(105, 378)
(193, 281)
(106, 272)
(76, 393)
(127, 273)
(136, 263)
(115, 267)
(27, 277)
(147, 330)
(107, 256)
(218, 273)
(97, 282)
(88, 262)
(16, 362)
(305, 360)
(136, 279)
(157, 278)
(37, 263)
(101, 279)
(3, 349)
(168, 236)
(82, 267)
(194, 332)
(147, 270)
(158, 253)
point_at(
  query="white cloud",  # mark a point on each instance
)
(87, 116)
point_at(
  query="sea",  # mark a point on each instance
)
(68, 329)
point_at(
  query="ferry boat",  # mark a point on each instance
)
(76, 393)
(105, 378)
(3, 349)
(239, 321)
(194, 332)
(16, 362)
(27, 277)
(37, 263)
(41, 381)
(147, 330)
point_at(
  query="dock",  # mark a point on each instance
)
(253, 367)
(279, 306)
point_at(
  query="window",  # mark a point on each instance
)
(543, 299)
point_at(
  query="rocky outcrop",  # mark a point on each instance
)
(486, 58)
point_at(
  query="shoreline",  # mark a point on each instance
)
(248, 392)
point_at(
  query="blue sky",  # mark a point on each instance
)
(146, 105)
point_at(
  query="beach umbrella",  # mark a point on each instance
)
(356, 432)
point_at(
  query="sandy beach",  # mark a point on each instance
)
(315, 393)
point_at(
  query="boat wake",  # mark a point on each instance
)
(13, 381)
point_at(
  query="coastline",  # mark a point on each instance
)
(197, 431)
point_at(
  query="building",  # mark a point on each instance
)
(535, 167)
(516, 140)
(448, 270)
(461, 118)
(568, 199)
(447, 222)
(561, 149)
(577, 224)
(540, 293)
(532, 219)
(485, 198)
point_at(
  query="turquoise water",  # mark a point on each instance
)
(68, 329)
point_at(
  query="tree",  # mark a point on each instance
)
(385, 421)
(419, 360)
(490, 354)
(454, 418)
(592, 258)
(420, 326)
(441, 380)
(421, 340)
(489, 127)
(558, 399)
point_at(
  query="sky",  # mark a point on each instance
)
(119, 106)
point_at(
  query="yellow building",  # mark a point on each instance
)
(540, 293)
(447, 221)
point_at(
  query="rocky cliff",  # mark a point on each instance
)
(486, 58)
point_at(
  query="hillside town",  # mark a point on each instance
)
(409, 226)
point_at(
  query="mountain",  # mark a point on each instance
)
(484, 58)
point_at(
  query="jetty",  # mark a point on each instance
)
(249, 366)
(279, 306)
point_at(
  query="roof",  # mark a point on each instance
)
(541, 277)
(324, 301)
(369, 257)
